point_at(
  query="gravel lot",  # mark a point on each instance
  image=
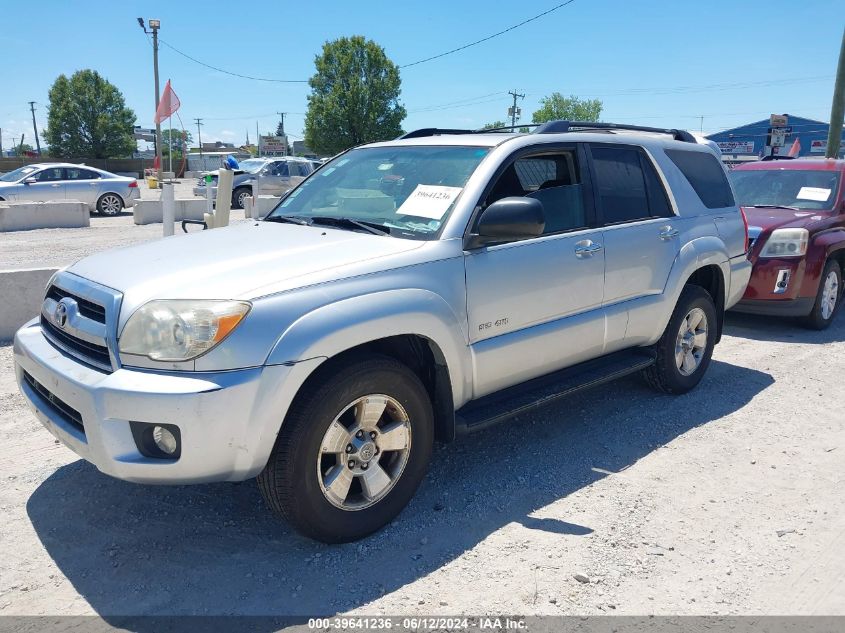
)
(46, 248)
(728, 500)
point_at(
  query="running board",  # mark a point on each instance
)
(508, 403)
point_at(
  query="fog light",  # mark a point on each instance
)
(159, 441)
(164, 440)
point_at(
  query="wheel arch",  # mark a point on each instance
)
(415, 326)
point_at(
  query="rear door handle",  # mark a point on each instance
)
(587, 248)
(55, 185)
(667, 233)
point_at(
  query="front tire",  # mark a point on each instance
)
(238, 196)
(686, 347)
(352, 451)
(828, 298)
(110, 204)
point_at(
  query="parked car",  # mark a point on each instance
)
(276, 176)
(103, 192)
(417, 289)
(796, 213)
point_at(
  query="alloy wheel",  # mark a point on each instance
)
(830, 295)
(363, 452)
(691, 342)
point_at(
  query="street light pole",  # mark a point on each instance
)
(154, 26)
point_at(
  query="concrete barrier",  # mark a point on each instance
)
(150, 211)
(25, 216)
(23, 293)
(267, 204)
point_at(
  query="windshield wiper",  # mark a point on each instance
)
(290, 219)
(772, 206)
(371, 227)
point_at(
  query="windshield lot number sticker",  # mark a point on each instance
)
(813, 193)
(429, 201)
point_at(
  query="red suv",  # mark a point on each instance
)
(796, 216)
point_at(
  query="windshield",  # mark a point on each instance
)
(407, 190)
(800, 189)
(20, 172)
(252, 165)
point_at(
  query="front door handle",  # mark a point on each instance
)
(667, 233)
(55, 185)
(587, 248)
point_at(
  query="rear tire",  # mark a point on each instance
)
(110, 204)
(685, 349)
(238, 196)
(828, 298)
(329, 492)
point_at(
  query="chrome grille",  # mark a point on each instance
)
(97, 355)
(88, 309)
(78, 317)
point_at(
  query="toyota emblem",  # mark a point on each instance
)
(60, 315)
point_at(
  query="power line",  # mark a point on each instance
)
(489, 37)
(233, 74)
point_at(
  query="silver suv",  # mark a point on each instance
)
(408, 291)
(275, 177)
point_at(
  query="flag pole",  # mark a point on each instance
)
(170, 143)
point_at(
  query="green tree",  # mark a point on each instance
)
(556, 107)
(494, 124)
(180, 138)
(354, 96)
(88, 118)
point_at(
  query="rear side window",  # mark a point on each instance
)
(620, 184)
(706, 175)
(74, 173)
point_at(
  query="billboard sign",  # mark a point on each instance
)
(778, 120)
(274, 145)
(818, 147)
(736, 147)
(778, 137)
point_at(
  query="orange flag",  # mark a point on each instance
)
(796, 147)
(168, 105)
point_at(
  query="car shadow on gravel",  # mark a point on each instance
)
(216, 549)
(782, 329)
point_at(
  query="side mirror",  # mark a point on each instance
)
(507, 220)
(29, 181)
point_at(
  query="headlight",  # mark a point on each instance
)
(180, 330)
(786, 243)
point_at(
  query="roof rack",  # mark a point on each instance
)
(557, 127)
(777, 157)
(433, 131)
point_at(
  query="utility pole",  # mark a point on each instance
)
(155, 25)
(34, 128)
(701, 127)
(515, 95)
(1, 142)
(837, 108)
(199, 136)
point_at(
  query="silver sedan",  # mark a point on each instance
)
(104, 192)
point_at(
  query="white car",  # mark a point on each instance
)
(103, 192)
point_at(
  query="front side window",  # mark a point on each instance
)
(620, 184)
(50, 174)
(789, 188)
(551, 178)
(279, 168)
(407, 190)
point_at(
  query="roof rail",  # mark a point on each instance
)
(433, 131)
(556, 127)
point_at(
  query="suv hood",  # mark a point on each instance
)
(770, 219)
(244, 261)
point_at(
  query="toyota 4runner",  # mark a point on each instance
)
(407, 292)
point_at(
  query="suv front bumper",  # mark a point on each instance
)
(228, 421)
